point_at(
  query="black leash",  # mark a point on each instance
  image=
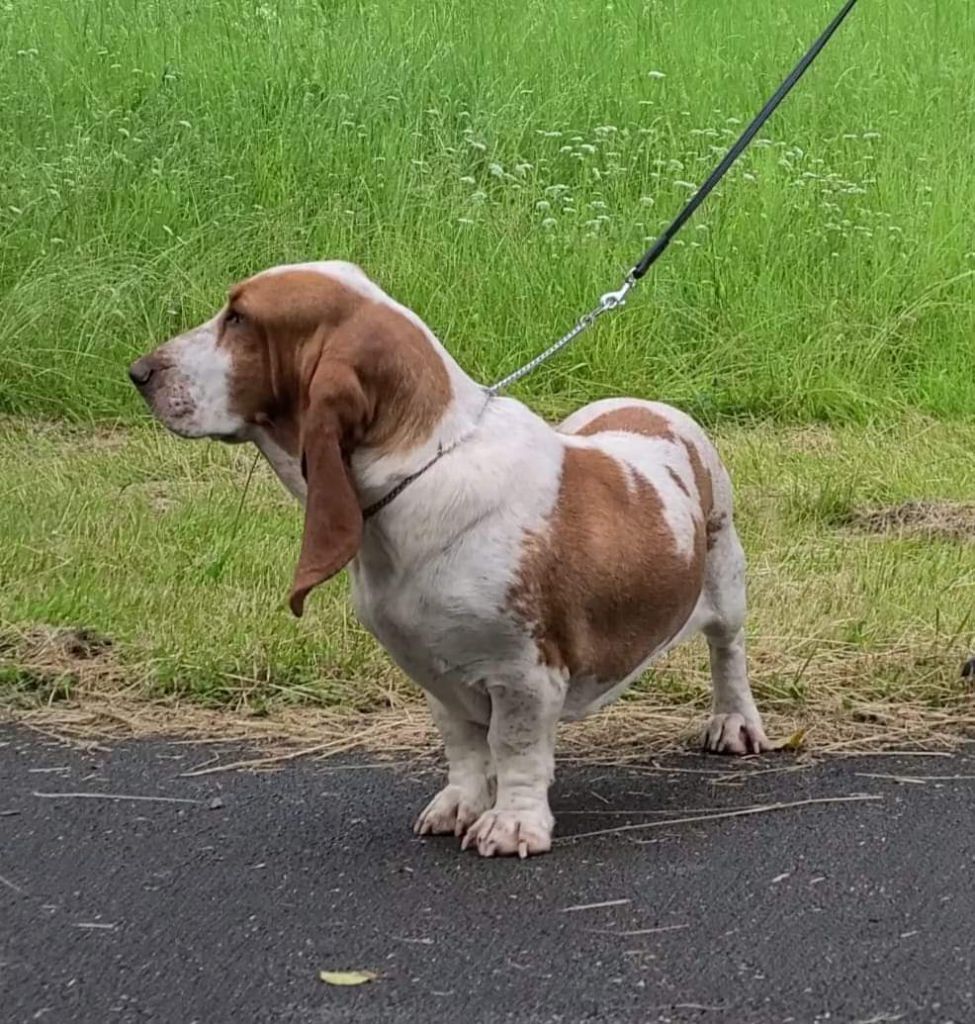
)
(656, 250)
(613, 300)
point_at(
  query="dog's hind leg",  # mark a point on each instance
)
(735, 726)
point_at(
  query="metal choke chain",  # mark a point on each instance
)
(608, 302)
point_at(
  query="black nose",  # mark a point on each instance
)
(140, 372)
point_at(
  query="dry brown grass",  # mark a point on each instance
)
(98, 704)
(951, 520)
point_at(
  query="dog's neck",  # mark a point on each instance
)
(376, 472)
(287, 468)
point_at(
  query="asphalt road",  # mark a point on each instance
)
(227, 909)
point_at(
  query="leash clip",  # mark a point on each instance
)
(612, 300)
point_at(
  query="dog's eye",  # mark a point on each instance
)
(233, 318)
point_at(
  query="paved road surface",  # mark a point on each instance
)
(226, 910)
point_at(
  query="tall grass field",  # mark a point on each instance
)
(496, 167)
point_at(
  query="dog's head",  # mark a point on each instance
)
(317, 358)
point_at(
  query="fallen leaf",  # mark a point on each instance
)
(795, 742)
(347, 977)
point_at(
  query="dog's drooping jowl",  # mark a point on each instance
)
(528, 575)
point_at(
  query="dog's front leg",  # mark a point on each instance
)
(470, 785)
(524, 716)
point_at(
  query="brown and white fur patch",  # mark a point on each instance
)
(529, 576)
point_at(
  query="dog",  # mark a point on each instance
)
(520, 573)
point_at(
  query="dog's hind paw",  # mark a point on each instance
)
(733, 734)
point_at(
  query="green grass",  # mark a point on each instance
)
(497, 167)
(133, 535)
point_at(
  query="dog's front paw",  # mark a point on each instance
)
(451, 812)
(734, 734)
(507, 833)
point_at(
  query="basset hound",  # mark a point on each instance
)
(524, 574)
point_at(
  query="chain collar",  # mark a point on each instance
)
(377, 506)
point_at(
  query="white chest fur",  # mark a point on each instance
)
(433, 575)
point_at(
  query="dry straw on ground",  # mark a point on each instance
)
(947, 520)
(102, 704)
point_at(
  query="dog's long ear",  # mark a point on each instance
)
(331, 425)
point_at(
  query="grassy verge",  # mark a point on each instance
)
(131, 541)
(496, 167)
